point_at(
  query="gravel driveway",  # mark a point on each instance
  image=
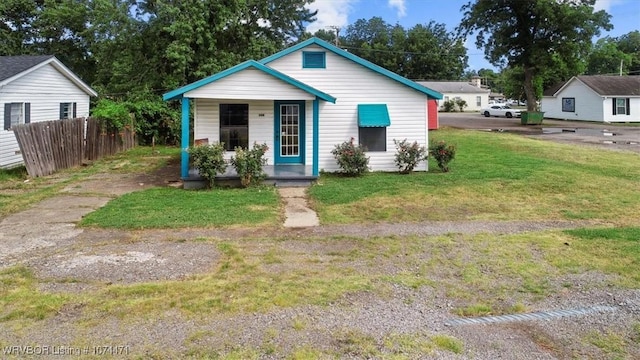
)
(45, 240)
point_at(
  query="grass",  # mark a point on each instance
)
(494, 177)
(19, 298)
(177, 208)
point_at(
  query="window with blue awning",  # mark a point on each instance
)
(373, 115)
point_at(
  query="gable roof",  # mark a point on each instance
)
(453, 87)
(15, 67)
(178, 93)
(603, 85)
(356, 59)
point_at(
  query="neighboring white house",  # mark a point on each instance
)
(302, 102)
(33, 89)
(594, 98)
(475, 96)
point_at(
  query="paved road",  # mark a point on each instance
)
(610, 136)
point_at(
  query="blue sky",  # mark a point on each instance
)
(625, 16)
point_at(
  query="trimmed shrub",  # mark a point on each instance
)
(249, 164)
(209, 160)
(351, 158)
(443, 154)
(408, 156)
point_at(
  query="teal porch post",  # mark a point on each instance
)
(185, 138)
(316, 135)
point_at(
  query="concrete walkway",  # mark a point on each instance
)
(297, 212)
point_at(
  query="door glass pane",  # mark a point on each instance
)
(289, 120)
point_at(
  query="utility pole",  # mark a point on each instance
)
(621, 62)
(337, 30)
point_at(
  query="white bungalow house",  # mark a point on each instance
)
(594, 98)
(475, 96)
(302, 102)
(32, 89)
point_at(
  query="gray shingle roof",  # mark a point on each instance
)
(605, 85)
(13, 65)
(452, 87)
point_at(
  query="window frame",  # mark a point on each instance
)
(242, 125)
(69, 112)
(625, 106)
(306, 64)
(568, 104)
(478, 100)
(364, 136)
(23, 118)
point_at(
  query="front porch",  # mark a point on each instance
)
(277, 175)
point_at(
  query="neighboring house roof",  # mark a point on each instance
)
(358, 60)
(603, 85)
(15, 67)
(453, 87)
(178, 93)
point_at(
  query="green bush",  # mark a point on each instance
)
(408, 156)
(351, 158)
(461, 104)
(209, 160)
(449, 106)
(443, 154)
(111, 115)
(249, 163)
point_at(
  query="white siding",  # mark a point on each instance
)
(249, 84)
(44, 88)
(588, 104)
(353, 84)
(471, 100)
(634, 106)
(207, 122)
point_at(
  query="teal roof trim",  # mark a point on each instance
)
(179, 93)
(373, 115)
(358, 60)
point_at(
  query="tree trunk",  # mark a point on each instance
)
(529, 89)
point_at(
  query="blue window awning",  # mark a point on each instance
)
(373, 115)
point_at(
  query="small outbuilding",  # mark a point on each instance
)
(594, 98)
(33, 89)
(473, 94)
(303, 101)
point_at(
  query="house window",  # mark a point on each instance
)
(16, 114)
(234, 126)
(373, 120)
(67, 110)
(314, 60)
(568, 104)
(478, 100)
(373, 138)
(446, 98)
(621, 106)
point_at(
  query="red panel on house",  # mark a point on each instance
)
(432, 114)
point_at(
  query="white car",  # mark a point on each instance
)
(500, 110)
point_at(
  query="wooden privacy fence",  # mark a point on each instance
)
(50, 146)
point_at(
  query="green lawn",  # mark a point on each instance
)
(494, 177)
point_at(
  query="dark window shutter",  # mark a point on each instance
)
(628, 106)
(7, 116)
(27, 113)
(74, 110)
(61, 111)
(614, 105)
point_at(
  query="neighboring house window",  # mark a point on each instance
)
(16, 114)
(478, 100)
(314, 60)
(569, 104)
(67, 110)
(373, 120)
(446, 98)
(621, 106)
(234, 126)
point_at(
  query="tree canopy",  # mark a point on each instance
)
(536, 36)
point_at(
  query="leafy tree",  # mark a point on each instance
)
(606, 57)
(534, 35)
(421, 52)
(630, 44)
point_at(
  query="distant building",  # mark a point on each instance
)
(475, 96)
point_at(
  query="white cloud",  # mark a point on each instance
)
(400, 6)
(605, 4)
(330, 13)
